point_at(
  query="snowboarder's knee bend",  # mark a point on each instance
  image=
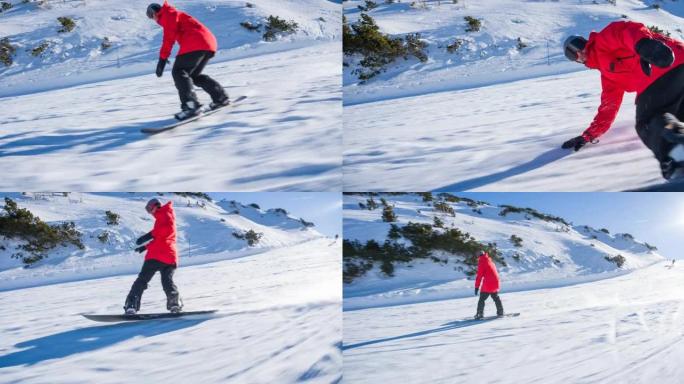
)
(139, 285)
(180, 74)
(201, 78)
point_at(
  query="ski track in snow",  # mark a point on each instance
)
(496, 138)
(285, 136)
(621, 330)
(278, 321)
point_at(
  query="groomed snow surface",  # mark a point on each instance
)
(72, 117)
(492, 117)
(278, 321)
(621, 330)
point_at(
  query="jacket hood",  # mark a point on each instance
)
(166, 9)
(592, 59)
(164, 209)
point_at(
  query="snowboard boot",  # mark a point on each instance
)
(500, 314)
(174, 303)
(672, 167)
(479, 316)
(189, 109)
(132, 305)
(220, 103)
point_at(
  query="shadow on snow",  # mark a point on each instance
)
(538, 162)
(88, 339)
(443, 328)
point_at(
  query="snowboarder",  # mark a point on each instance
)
(486, 270)
(161, 257)
(197, 46)
(632, 58)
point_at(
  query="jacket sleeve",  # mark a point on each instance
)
(169, 25)
(480, 272)
(632, 33)
(611, 99)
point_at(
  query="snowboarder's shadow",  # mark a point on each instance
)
(88, 339)
(445, 327)
(95, 139)
(481, 181)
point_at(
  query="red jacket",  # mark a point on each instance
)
(612, 52)
(180, 27)
(487, 270)
(163, 244)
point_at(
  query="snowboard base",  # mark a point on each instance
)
(145, 316)
(206, 111)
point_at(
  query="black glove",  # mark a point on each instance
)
(477, 291)
(141, 249)
(654, 52)
(576, 143)
(144, 238)
(160, 67)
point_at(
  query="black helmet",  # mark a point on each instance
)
(151, 204)
(573, 45)
(152, 10)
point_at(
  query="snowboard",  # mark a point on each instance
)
(145, 316)
(205, 111)
(516, 314)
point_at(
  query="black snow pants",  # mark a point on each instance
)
(497, 302)
(149, 268)
(187, 70)
(664, 95)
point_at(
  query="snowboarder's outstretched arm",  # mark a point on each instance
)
(611, 99)
(144, 238)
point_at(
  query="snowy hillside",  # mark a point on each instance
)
(205, 234)
(79, 55)
(621, 330)
(534, 250)
(278, 321)
(76, 110)
(492, 114)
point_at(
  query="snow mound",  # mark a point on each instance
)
(206, 233)
(112, 39)
(515, 40)
(549, 250)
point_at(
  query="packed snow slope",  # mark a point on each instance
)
(75, 112)
(278, 321)
(621, 330)
(492, 116)
(550, 252)
(205, 234)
